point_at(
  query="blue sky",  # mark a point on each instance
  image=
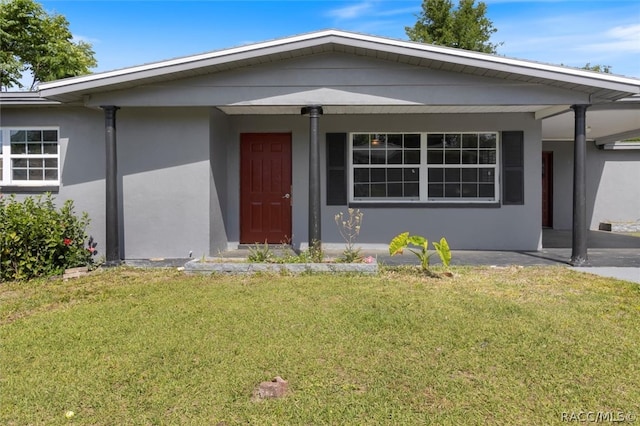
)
(126, 33)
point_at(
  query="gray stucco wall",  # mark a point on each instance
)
(613, 190)
(507, 227)
(163, 167)
(82, 157)
(220, 139)
(163, 158)
(180, 174)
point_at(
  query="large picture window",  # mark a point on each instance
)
(29, 156)
(428, 167)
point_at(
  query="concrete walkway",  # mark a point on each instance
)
(626, 274)
(623, 264)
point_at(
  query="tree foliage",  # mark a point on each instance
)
(466, 27)
(31, 40)
(597, 68)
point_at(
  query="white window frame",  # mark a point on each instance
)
(6, 177)
(423, 171)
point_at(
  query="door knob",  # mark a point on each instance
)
(286, 196)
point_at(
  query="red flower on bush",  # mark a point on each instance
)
(91, 246)
(67, 241)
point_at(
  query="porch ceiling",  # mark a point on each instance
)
(380, 109)
(605, 123)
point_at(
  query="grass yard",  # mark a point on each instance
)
(489, 346)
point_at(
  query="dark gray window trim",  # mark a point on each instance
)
(409, 205)
(17, 189)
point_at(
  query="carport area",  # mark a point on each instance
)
(555, 239)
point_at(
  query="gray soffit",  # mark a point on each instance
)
(601, 87)
(378, 109)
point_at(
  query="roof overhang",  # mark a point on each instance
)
(621, 146)
(599, 86)
(24, 99)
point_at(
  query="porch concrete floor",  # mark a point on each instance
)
(610, 254)
(553, 238)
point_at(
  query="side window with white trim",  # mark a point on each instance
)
(29, 156)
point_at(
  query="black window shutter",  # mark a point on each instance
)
(513, 167)
(336, 169)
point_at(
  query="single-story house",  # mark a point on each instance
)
(268, 141)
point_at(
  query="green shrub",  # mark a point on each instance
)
(37, 239)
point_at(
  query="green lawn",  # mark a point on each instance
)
(489, 346)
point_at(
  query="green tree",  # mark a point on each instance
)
(34, 41)
(466, 27)
(597, 68)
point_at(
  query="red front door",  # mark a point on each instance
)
(265, 188)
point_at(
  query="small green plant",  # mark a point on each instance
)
(404, 240)
(286, 252)
(290, 256)
(38, 239)
(315, 252)
(260, 253)
(349, 228)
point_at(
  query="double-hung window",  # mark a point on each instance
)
(451, 167)
(29, 156)
(462, 166)
(386, 166)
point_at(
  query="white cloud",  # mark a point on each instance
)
(402, 11)
(351, 12)
(576, 44)
(371, 8)
(624, 39)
